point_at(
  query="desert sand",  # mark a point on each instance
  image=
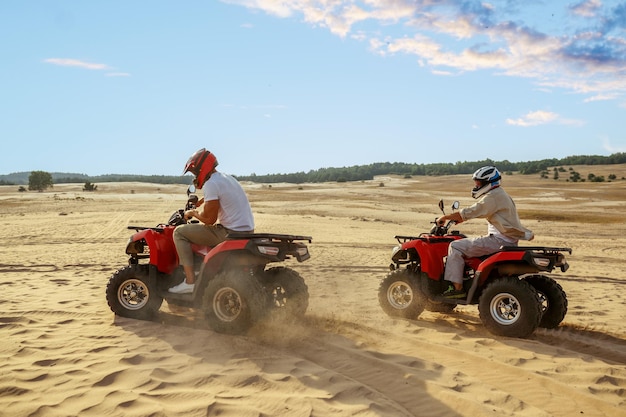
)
(64, 353)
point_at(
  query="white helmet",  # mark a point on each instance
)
(489, 178)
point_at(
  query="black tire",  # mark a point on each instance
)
(553, 300)
(399, 295)
(510, 307)
(233, 301)
(130, 294)
(288, 293)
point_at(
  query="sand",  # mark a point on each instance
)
(64, 353)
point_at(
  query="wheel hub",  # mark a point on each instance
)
(133, 294)
(505, 309)
(399, 295)
(227, 304)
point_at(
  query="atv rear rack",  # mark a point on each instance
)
(544, 249)
(270, 236)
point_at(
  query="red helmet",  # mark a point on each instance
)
(201, 164)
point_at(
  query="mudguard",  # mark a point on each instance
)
(431, 251)
(513, 260)
(161, 247)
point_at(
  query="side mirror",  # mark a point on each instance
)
(191, 189)
(455, 205)
(441, 204)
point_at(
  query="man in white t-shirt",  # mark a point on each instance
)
(504, 227)
(225, 208)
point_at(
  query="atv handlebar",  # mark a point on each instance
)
(441, 229)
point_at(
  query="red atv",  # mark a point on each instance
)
(513, 294)
(233, 286)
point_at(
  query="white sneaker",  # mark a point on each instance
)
(182, 288)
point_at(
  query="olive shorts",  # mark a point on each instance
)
(198, 233)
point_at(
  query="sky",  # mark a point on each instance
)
(269, 86)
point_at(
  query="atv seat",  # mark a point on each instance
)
(201, 249)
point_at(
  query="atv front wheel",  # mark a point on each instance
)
(129, 293)
(233, 301)
(288, 293)
(399, 295)
(510, 307)
(553, 300)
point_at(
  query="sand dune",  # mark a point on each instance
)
(64, 353)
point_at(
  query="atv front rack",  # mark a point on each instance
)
(424, 237)
(158, 229)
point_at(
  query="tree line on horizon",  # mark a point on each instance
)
(368, 172)
(352, 173)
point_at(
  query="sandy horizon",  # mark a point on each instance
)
(65, 353)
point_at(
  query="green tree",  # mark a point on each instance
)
(39, 180)
(574, 176)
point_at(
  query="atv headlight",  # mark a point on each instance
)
(398, 254)
(135, 247)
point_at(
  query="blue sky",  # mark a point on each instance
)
(136, 87)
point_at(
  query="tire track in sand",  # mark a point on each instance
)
(422, 377)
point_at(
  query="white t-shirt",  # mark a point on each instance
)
(235, 212)
(491, 230)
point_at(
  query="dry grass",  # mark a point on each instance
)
(582, 217)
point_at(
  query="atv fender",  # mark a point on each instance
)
(431, 254)
(162, 251)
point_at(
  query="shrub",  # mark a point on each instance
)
(89, 187)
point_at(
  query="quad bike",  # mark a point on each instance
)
(234, 287)
(513, 292)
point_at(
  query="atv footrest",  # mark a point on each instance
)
(442, 299)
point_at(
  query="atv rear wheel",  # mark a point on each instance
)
(553, 300)
(288, 293)
(233, 301)
(399, 295)
(129, 293)
(510, 307)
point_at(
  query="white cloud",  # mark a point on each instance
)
(606, 144)
(535, 118)
(587, 8)
(77, 63)
(68, 62)
(601, 97)
(472, 35)
(542, 117)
